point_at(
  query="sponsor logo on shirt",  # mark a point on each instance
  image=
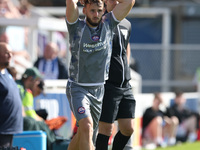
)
(95, 38)
(87, 47)
(81, 110)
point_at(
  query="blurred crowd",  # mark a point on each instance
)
(18, 38)
(18, 68)
(176, 123)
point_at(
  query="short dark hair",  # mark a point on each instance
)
(41, 84)
(98, 2)
(178, 93)
(157, 95)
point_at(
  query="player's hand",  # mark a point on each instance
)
(82, 2)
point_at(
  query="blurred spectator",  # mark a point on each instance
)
(24, 7)
(38, 88)
(50, 65)
(8, 9)
(4, 37)
(11, 121)
(188, 120)
(60, 39)
(15, 36)
(12, 71)
(21, 58)
(31, 120)
(157, 127)
(26, 85)
(34, 120)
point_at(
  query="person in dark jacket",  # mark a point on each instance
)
(157, 126)
(50, 65)
(188, 120)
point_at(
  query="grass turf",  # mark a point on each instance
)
(183, 146)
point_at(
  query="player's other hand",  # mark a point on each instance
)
(82, 2)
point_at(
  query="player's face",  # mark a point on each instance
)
(93, 13)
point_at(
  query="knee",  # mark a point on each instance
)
(86, 126)
(192, 122)
(126, 126)
(158, 120)
(127, 131)
(106, 128)
(175, 121)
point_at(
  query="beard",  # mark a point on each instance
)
(6, 64)
(93, 23)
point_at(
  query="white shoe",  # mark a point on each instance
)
(150, 146)
(162, 144)
(172, 141)
(192, 137)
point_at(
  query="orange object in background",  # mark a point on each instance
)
(56, 123)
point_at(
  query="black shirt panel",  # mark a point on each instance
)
(119, 73)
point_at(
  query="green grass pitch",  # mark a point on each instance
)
(183, 146)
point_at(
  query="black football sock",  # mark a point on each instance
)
(102, 142)
(120, 141)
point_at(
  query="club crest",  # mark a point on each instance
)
(81, 110)
(95, 38)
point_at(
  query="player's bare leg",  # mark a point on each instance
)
(83, 138)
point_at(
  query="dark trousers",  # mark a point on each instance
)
(6, 140)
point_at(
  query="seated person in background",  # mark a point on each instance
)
(188, 120)
(12, 71)
(38, 88)
(29, 122)
(50, 65)
(30, 77)
(157, 126)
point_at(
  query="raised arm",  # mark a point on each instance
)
(122, 9)
(72, 13)
(128, 53)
